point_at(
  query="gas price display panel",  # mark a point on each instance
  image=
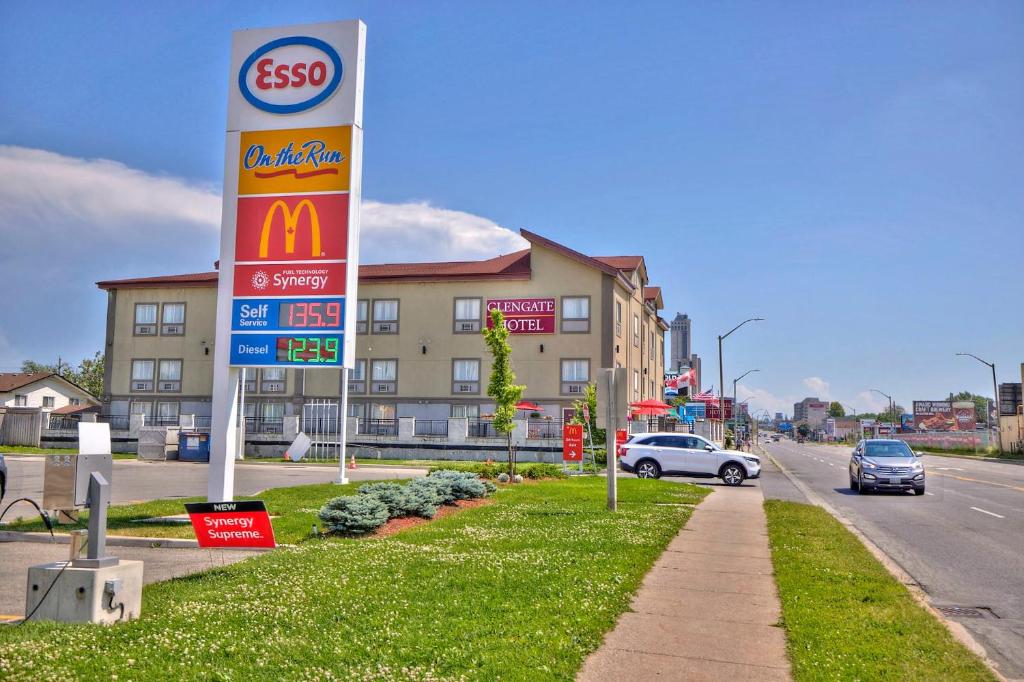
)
(292, 332)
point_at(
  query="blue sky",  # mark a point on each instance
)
(850, 171)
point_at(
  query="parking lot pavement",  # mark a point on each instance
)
(135, 481)
(159, 564)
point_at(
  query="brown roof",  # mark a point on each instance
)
(11, 381)
(75, 409)
(509, 266)
(626, 263)
(651, 293)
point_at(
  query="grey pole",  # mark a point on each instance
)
(610, 424)
(721, 371)
(995, 396)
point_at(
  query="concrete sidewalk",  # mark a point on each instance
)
(708, 609)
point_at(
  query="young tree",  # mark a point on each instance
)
(804, 430)
(836, 410)
(502, 385)
(89, 374)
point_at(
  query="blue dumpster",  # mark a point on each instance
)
(193, 446)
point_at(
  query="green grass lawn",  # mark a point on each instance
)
(521, 589)
(294, 513)
(846, 617)
(359, 461)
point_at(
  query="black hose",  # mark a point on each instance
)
(46, 519)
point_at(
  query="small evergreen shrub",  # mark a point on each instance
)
(488, 486)
(518, 478)
(503, 477)
(426, 489)
(421, 500)
(394, 497)
(465, 485)
(354, 514)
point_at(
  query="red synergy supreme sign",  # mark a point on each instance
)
(572, 443)
(231, 524)
(525, 315)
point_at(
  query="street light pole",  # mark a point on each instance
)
(995, 397)
(735, 404)
(721, 370)
(891, 410)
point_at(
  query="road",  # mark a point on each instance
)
(963, 541)
(135, 481)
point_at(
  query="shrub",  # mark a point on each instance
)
(354, 514)
(503, 477)
(494, 471)
(421, 500)
(488, 486)
(394, 497)
(434, 490)
(541, 470)
(465, 485)
(518, 478)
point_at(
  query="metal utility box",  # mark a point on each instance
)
(66, 479)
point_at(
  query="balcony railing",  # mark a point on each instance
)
(431, 427)
(378, 427)
(482, 428)
(66, 422)
(118, 422)
(544, 429)
(264, 424)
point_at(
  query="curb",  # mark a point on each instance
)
(959, 632)
(112, 540)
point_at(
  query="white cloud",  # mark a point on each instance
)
(59, 195)
(818, 386)
(421, 232)
(869, 401)
(50, 190)
(761, 399)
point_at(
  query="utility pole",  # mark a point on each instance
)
(995, 396)
(721, 370)
(890, 400)
(736, 405)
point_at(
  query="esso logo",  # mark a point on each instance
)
(290, 75)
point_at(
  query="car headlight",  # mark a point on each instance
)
(752, 460)
(868, 464)
(917, 466)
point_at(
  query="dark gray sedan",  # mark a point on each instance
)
(881, 464)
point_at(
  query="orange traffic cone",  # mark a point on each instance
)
(352, 461)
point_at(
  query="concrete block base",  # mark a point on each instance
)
(80, 596)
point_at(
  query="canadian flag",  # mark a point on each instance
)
(689, 377)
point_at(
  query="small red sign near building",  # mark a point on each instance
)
(620, 437)
(572, 442)
(525, 315)
(231, 524)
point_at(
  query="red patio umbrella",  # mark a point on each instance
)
(657, 411)
(527, 405)
(651, 403)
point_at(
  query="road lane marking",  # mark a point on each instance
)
(927, 493)
(831, 464)
(998, 516)
(978, 480)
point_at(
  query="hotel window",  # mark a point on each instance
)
(273, 380)
(467, 315)
(145, 319)
(575, 314)
(575, 376)
(142, 375)
(169, 379)
(143, 408)
(636, 384)
(651, 346)
(618, 317)
(466, 411)
(643, 340)
(636, 330)
(383, 411)
(167, 414)
(383, 376)
(48, 401)
(385, 316)
(357, 378)
(172, 322)
(357, 410)
(250, 380)
(362, 313)
(21, 401)
(466, 376)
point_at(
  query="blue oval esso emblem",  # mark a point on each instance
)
(290, 75)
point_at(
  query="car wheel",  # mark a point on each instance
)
(648, 468)
(860, 486)
(853, 484)
(733, 474)
(919, 491)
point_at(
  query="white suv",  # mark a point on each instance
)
(651, 455)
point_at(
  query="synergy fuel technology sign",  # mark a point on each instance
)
(292, 195)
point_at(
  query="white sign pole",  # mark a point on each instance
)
(610, 424)
(342, 478)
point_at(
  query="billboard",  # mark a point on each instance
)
(525, 315)
(943, 415)
(290, 227)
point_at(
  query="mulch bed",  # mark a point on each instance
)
(398, 525)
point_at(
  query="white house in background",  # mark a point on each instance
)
(46, 390)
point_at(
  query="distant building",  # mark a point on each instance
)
(695, 365)
(811, 410)
(45, 390)
(680, 355)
